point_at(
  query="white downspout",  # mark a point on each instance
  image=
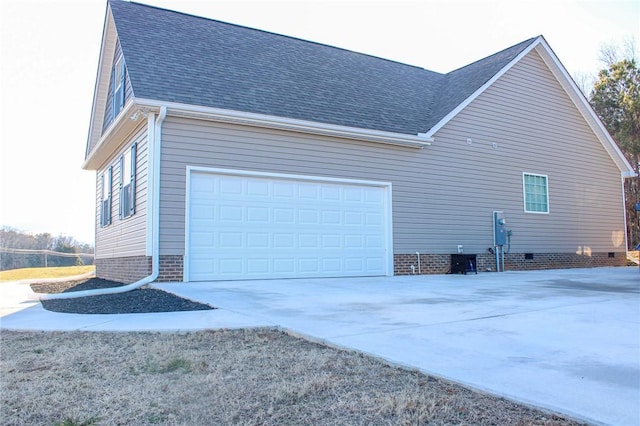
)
(155, 231)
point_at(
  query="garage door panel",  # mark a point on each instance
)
(308, 217)
(258, 240)
(258, 266)
(250, 227)
(283, 267)
(258, 215)
(373, 219)
(231, 186)
(284, 216)
(309, 192)
(331, 217)
(258, 188)
(374, 242)
(329, 193)
(203, 239)
(231, 266)
(373, 197)
(283, 241)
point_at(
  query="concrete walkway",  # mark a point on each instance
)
(566, 340)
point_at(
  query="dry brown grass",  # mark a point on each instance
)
(257, 377)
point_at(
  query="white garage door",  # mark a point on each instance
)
(257, 226)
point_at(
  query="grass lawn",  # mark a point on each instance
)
(28, 273)
(227, 377)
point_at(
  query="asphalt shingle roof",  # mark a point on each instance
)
(176, 57)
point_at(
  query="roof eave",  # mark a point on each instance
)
(118, 132)
(289, 124)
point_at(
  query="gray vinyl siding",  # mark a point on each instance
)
(125, 237)
(537, 130)
(444, 194)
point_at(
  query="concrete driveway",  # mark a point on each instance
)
(566, 340)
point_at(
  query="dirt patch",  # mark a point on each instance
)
(257, 377)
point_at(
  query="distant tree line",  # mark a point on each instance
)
(12, 239)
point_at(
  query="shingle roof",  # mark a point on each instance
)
(176, 57)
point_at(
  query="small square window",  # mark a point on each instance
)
(536, 193)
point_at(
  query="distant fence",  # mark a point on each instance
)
(43, 257)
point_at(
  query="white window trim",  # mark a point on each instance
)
(524, 192)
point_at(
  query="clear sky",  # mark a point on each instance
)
(50, 48)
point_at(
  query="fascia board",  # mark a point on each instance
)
(282, 123)
(482, 88)
(581, 102)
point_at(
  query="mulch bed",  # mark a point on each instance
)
(142, 300)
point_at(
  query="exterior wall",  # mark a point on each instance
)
(124, 237)
(536, 129)
(444, 194)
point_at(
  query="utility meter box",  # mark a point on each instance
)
(499, 229)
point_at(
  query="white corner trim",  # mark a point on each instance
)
(482, 88)
(283, 123)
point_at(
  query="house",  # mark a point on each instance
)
(223, 152)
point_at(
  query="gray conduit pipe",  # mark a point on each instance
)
(155, 258)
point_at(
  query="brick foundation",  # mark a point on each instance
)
(441, 263)
(130, 269)
(171, 268)
(518, 262)
(429, 264)
(124, 269)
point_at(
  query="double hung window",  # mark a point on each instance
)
(118, 86)
(128, 182)
(536, 193)
(105, 197)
